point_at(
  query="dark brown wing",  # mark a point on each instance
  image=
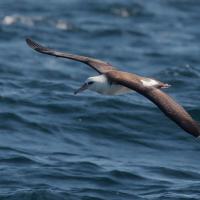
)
(98, 65)
(164, 102)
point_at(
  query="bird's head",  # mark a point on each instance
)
(92, 83)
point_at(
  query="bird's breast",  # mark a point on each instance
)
(113, 89)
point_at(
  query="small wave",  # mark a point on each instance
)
(102, 180)
(36, 193)
(99, 194)
(21, 160)
(123, 12)
(177, 174)
(8, 20)
(126, 175)
(63, 25)
(182, 71)
(12, 150)
(31, 21)
(87, 165)
(73, 194)
(13, 19)
(12, 120)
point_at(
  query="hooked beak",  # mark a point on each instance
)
(82, 88)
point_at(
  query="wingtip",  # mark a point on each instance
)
(28, 40)
(34, 45)
(31, 43)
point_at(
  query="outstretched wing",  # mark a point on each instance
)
(98, 65)
(164, 102)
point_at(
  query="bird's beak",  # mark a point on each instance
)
(82, 88)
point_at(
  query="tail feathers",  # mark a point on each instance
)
(164, 85)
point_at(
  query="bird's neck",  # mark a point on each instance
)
(101, 84)
(101, 79)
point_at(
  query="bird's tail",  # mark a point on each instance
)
(165, 85)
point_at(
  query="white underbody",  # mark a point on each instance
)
(114, 89)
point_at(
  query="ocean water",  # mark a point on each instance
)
(55, 145)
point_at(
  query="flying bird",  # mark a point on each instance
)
(111, 81)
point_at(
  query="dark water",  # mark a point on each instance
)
(54, 145)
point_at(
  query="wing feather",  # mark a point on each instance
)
(164, 102)
(98, 65)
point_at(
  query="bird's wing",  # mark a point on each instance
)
(164, 102)
(98, 65)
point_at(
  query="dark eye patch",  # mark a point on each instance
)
(90, 82)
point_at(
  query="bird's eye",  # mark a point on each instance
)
(90, 82)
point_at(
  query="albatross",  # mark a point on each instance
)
(111, 81)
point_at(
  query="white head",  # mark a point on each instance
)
(95, 83)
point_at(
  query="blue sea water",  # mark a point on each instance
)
(54, 145)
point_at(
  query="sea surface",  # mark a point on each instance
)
(55, 145)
